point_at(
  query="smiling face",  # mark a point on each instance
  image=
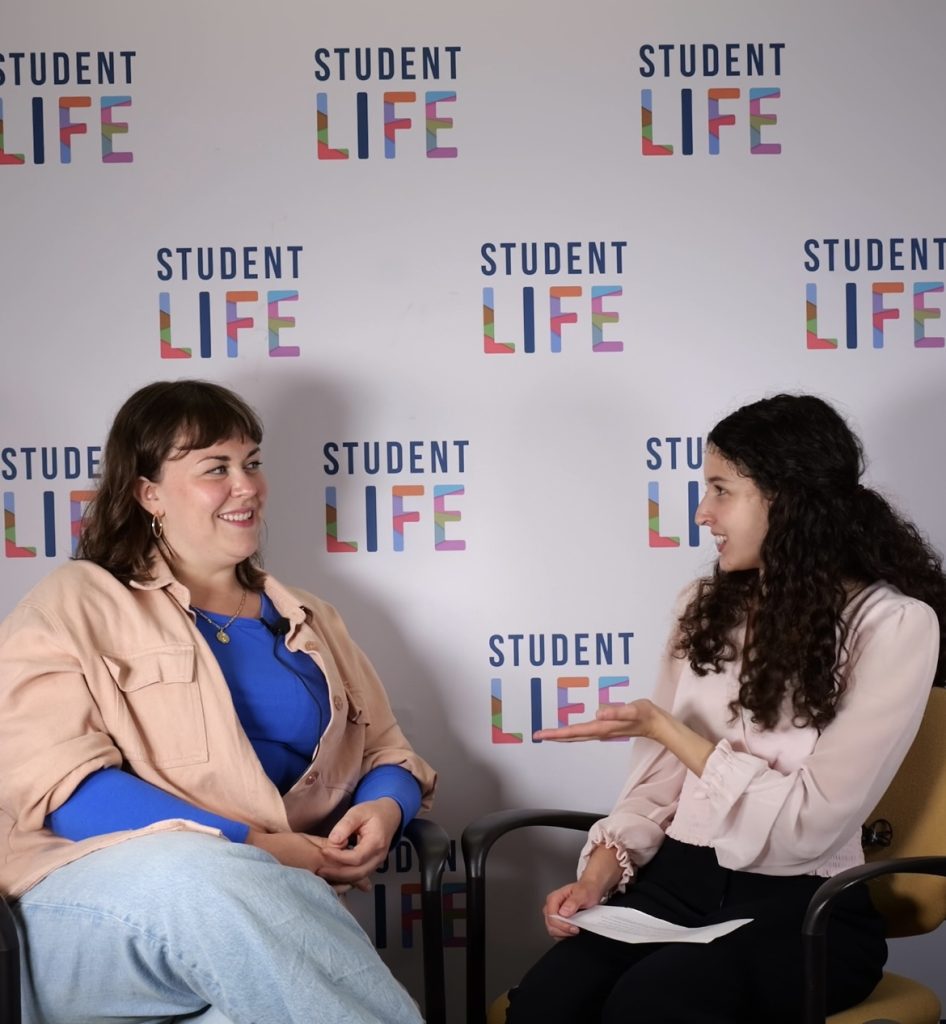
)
(210, 502)
(736, 512)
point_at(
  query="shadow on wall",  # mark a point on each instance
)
(298, 418)
(907, 456)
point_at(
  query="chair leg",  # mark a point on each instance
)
(433, 848)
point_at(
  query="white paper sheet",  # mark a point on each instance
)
(627, 925)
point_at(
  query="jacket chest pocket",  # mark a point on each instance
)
(156, 715)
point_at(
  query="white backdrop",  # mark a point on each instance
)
(537, 421)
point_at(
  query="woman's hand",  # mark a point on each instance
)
(639, 718)
(567, 901)
(602, 873)
(294, 849)
(371, 826)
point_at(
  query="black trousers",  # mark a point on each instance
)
(751, 976)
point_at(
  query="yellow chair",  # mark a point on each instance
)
(906, 879)
(908, 830)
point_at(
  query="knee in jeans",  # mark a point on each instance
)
(189, 866)
(183, 858)
(195, 863)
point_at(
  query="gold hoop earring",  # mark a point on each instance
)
(157, 527)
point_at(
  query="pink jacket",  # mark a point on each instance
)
(785, 801)
(94, 673)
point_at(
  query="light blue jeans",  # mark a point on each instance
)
(165, 925)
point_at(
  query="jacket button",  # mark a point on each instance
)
(311, 645)
(338, 702)
(311, 777)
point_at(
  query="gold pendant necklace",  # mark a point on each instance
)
(222, 635)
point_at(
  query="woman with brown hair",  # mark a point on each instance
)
(192, 755)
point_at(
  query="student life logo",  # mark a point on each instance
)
(674, 466)
(713, 99)
(66, 107)
(874, 293)
(228, 300)
(395, 496)
(547, 680)
(552, 297)
(386, 102)
(45, 490)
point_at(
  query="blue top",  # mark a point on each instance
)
(281, 698)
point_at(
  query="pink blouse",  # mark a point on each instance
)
(786, 801)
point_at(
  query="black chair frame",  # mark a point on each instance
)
(477, 840)
(815, 924)
(432, 845)
(9, 968)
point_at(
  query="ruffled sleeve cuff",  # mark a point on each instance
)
(728, 774)
(601, 834)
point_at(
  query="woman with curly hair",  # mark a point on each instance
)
(791, 690)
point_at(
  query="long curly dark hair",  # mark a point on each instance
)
(827, 534)
(157, 421)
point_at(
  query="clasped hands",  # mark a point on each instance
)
(348, 855)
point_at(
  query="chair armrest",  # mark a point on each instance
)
(478, 837)
(432, 845)
(815, 925)
(9, 967)
(477, 840)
